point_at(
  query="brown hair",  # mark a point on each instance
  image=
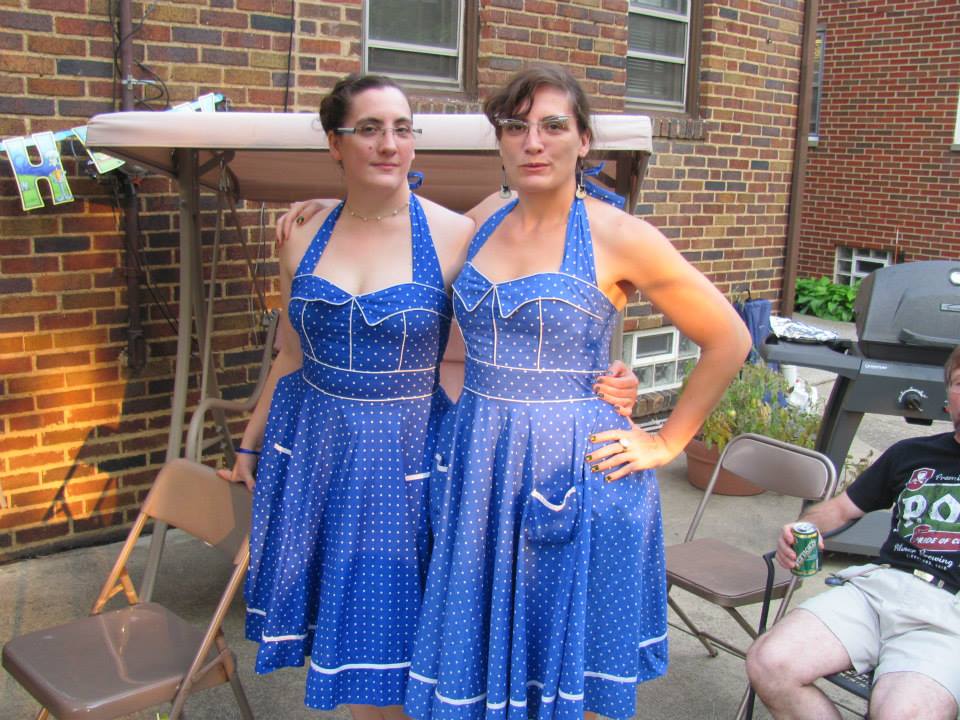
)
(953, 362)
(335, 107)
(515, 98)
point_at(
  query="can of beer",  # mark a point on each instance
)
(805, 545)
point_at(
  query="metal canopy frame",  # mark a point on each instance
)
(282, 157)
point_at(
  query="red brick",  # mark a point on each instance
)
(35, 383)
(48, 457)
(59, 283)
(63, 399)
(47, 531)
(71, 359)
(15, 365)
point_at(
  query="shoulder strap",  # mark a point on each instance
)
(312, 256)
(426, 264)
(486, 230)
(578, 257)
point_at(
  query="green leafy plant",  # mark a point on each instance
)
(825, 299)
(751, 404)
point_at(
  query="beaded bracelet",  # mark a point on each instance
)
(246, 451)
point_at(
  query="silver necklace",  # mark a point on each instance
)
(376, 218)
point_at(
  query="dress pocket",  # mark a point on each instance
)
(546, 522)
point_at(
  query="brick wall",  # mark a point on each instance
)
(883, 175)
(82, 434)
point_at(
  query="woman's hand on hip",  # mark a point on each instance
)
(618, 387)
(621, 452)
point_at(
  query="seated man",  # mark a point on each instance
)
(902, 617)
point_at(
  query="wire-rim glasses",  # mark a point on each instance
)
(552, 126)
(373, 131)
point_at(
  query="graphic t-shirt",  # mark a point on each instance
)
(920, 478)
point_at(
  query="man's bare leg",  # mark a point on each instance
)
(783, 664)
(904, 695)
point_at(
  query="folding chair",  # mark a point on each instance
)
(725, 575)
(114, 663)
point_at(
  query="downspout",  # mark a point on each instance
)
(798, 179)
(136, 344)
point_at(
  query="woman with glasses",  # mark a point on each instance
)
(546, 594)
(342, 440)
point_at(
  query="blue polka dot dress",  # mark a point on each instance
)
(546, 595)
(340, 534)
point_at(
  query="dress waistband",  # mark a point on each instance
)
(529, 385)
(370, 386)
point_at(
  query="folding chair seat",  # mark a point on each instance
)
(114, 663)
(730, 577)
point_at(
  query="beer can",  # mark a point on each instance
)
(805, 545)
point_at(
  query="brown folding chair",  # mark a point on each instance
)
(730, 577)
(114, 663)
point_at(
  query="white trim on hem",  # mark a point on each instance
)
(358, 666)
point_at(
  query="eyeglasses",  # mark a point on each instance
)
(550, 126)
(372, 131)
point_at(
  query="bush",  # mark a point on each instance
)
(825, 299)
(752, 404)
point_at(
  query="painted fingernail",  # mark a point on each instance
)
(589, 458)
(600, 395)
(609, 478)
(300, 220)
(595, 468)
(593, 438)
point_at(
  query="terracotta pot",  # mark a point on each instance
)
(700, 463)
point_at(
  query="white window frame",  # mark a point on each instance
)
(854, 256)
(672, 355)
(675, 17)
(956, 129)
(814, 135)
(422, 80)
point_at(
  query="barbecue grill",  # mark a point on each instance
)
(908, 321)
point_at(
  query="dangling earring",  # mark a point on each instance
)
(581, 190)
(504, 186)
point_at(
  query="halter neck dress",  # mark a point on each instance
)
(546, 594)
(340, 539)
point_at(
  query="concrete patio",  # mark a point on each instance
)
(44, 591)
(40, 592)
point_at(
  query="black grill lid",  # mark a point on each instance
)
(910, 312)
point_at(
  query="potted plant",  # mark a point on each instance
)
(754, 402)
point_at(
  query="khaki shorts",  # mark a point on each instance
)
(889, 620)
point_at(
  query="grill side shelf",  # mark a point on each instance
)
(821, 357)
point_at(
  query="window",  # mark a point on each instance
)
(956, 130)
(658, 357)
(817, 85)
(660, 63)
(853, 264)
(419, 42)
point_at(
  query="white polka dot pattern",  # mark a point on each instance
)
(340, 539)
(546, 595)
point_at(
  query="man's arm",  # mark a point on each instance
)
(827, 516)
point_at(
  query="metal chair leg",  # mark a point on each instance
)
(711, 650)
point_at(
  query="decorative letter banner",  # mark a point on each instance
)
(28, 175)
(50, 168)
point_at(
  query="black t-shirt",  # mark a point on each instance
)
(920, 478)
